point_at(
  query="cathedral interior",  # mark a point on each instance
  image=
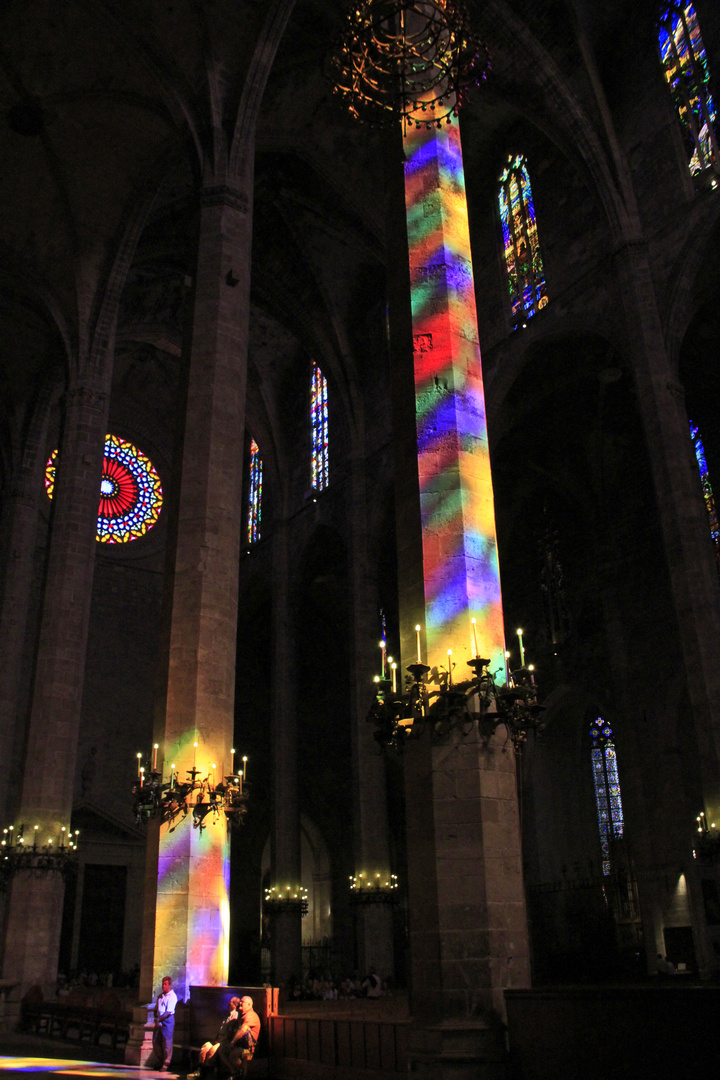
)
(205, 312)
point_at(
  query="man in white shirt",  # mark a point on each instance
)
(164, 1024)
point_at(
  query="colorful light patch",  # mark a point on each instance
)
(319, 429)
(192, 912)
(526, 277)
(130, 492)
(688, 76)
(460, 562)
(255, 494)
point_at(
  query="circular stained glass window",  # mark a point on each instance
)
(130, 492)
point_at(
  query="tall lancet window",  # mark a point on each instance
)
(607, 789)
(254, 494)
(526, 277)
(319, 429)
(707, 490)
(688, 76)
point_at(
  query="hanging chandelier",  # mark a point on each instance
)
(398, 716)
(200, 796)
(409, 60)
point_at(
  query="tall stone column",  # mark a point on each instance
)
(20, 531)
(693, 780)
(468, 928)
(35, 903)
(286, 926)
(192, 910)
(374, 921)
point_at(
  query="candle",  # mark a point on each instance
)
(142, 777)
(244, 774)
(476, 651)
(417, 636)
(194, 755)
(522, 650)
(450, 667)
(172, 777)
(232, 761)
(139, 757)
(507, 668)
(394, 678)
(213, 769)
(531, 669)
(383, 647)
(155, 750)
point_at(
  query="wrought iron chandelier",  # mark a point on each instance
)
(412, 60)
(479, 700)
(36, 854)
(174, 799)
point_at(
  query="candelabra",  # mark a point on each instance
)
(373, 888)
(173, 800)
(285, 898)
(478, 700)
(412, 60)
(707, 842)
(56, 855)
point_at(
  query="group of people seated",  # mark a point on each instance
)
(227, 1055)
(234, 1045)
(321, 986)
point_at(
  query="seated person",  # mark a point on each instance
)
(226, 1031)
(238, 1052)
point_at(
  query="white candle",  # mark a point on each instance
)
(244, 773)
(394, 678)
(155, 750)
(476, 651)
(382, 661)
(139, 757)
(522, 650)
(507, 668)
(417, 636)
(194, 755)
(450, 667)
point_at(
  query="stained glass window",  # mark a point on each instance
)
(707, 490)
(688, 76)
(526, 277)
(607, 789)
(130, 492)
(319, 429)
(254, 494)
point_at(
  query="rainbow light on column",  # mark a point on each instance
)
(192, 913)
(461, 573)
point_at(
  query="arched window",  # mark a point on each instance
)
(687, 74)
(254, 494)
(526, 277)
(319, 429)
(607, 789)
(707, 490)
(130, 492)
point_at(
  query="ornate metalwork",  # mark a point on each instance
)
(373, 888)
(172, 801)
(17, 855)
(479, 700)
(290, 898)
(407, 59)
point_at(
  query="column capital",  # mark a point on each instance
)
(224, 195)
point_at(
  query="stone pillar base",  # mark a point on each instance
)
(458, 1050)
(139, 1047)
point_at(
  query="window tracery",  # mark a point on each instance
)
(254, 494)
(130, 492)
(526, 276)
(608, 799)
(687, 74)
(319, 429)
